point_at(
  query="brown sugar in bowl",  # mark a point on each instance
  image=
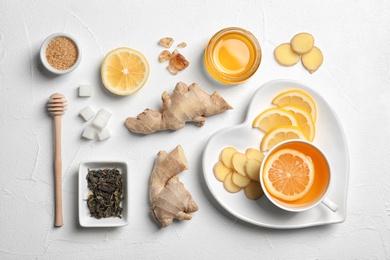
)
(60, 53)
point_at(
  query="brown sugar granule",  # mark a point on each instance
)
(61, 53)
(178, 61)
(164, 56)
(166, 42)
(182, 45)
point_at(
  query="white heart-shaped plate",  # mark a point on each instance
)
(329, 138)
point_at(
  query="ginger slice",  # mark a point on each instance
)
(229, 185)
(239, 180)
(166, 42)
(168, 197)
(302, 43)
(187, 103)
(238, 162)
(226, 156)
(221, 171)
(313, 59)
(254, 154)
(285, 55)
(253, 191)
(252, 169)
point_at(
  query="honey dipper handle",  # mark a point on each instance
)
(58, 173)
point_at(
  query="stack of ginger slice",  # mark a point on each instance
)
(240, 171)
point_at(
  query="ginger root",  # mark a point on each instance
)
(167, 194)
(187, 103)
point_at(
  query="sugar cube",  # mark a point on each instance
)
(87, 113)
(100, 121)
(104, 134)
(85, 91)
(89, 132)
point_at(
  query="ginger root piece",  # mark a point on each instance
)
(239, 180)
(253, 191)
(221, 171)
(187, 103)
(226, 156)
(229, 185)
(254, 154)
(239, 161)
(252, 169)
(312, 60)
(285, 55)
(168, 197)
(302, 43)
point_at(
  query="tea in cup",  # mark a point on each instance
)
(296, 176)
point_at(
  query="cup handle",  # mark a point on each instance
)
(330, 204)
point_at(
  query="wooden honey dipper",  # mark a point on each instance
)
(56, 106)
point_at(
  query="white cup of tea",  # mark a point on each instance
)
(296, 176)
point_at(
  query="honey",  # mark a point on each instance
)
(321, 175)
(232, 55)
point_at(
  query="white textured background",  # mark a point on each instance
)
(354, 78)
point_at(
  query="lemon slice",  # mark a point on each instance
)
(298, 98)
(280, 134)
(288, 174)
(124, 71)
(305, 122)
(272, 117)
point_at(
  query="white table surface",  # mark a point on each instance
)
(354, 78)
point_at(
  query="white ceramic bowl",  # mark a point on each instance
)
(43, 54)
(85, 218)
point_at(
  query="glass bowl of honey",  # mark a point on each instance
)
(232, 55)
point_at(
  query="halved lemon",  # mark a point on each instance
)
(280, 134)
(288, 174)
(298, 98)
(305, 122)
(124, 71)
(272, 117)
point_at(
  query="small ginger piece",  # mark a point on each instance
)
(168, 196)
(239, 161)
(302, 43)
(187, 103)
(229, 185)
(285, 55)
(239, 180)
(312, 60)
(226, 156)
(254, 154)
(166, 42)
(221, 171)
(252, 169)
(164, 56)
(253, 191)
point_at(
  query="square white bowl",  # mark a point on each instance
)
(85, 218)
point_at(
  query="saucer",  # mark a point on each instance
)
(329, 137)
